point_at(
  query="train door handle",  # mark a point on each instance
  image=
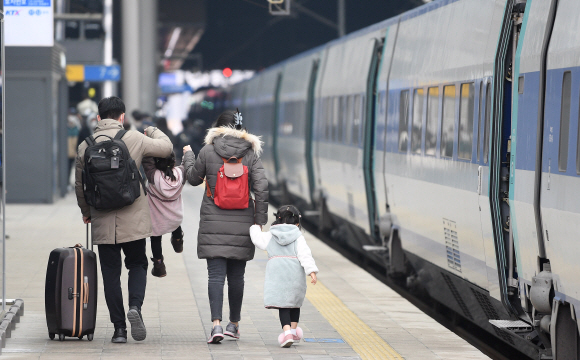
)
(479, 177)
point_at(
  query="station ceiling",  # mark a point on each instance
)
(241, 34)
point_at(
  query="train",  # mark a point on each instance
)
(425, 143)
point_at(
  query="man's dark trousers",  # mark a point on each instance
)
(136, 263)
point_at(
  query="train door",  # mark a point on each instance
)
(499, 160)
(309, 133)
(369, 142)
(274, 133)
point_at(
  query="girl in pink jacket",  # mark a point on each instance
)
(166, 182)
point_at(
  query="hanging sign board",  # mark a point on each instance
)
(29, 22)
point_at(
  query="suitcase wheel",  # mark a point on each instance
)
(80, 337)
(51, 336)
(61, 337)
(90, 337)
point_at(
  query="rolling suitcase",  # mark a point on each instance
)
(70, 296)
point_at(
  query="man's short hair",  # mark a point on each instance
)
(111, 108)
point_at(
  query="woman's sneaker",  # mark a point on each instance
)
(158, 268)
(177, 243)
(232, 330)
(299, 335)
(285, 340)
(217, 335)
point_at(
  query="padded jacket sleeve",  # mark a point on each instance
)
(260, 189)
(194, 168)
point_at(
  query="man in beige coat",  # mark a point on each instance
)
(122, 229)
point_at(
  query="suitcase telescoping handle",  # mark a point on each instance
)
(91, 247)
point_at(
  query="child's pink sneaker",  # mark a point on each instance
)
(299, 335)
(285, 340)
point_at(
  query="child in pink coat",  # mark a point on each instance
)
(166, 182)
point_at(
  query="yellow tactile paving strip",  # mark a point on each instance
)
(366, 342)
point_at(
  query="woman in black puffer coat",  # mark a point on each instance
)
(224, 237)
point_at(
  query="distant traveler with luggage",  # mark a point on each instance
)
(230, 164)
(110, 194)
(290, 259)
(166, 182)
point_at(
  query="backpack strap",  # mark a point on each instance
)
(90, 140)
(142, 183)
(120, 134)
(233, 157)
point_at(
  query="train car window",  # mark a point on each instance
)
(432, 117)
(448, 123)
(403, 120)
(416, 131)
(326, 118)
(349, 119)
(521, 85)
(335, 118)
(478, 124)
(466, 107)
(565, 121)
(341, 116)
(357, 120)
(487, 122)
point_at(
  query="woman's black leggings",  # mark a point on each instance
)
(156, 243)
(289, 315)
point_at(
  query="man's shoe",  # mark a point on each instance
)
(177, 243)
(158, 268)
(138, 331)
(217, 335)
(120, 336)
(232, 330)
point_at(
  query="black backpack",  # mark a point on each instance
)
(110, 176)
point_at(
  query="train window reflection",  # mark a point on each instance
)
(487, 122)
(403, 120)
(565, 121)
(335, 117)
(326, 118)
(478, 124)
(448, 123)
(416, 131)
(349, 119)
(432, 117)
(357, 120)
(340, 115)
(466, 121)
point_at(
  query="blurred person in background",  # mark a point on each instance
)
(73, 127)
(88, 105)
(87, 127)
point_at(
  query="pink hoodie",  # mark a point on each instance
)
(165, 202)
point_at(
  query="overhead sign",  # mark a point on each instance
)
(94, 73)
(102, 73)
(29, 22)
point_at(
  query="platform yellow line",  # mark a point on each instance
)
(364, 340)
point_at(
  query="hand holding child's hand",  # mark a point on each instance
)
(313, 276)
(186, 149)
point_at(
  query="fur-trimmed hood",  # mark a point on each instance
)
(230, 142)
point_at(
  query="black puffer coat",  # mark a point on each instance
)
(226, 233)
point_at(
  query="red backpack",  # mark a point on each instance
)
(231, 187)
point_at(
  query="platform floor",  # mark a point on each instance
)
(348, 315)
